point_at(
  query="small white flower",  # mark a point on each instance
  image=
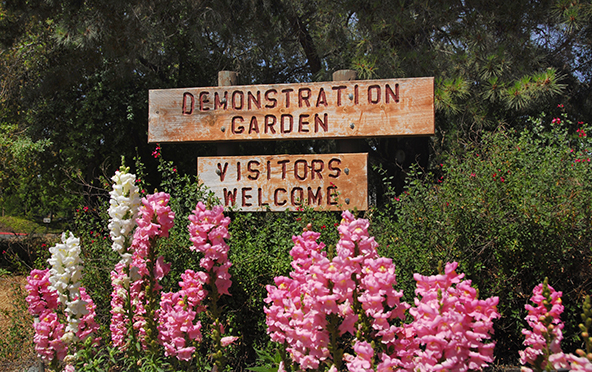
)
(125, 282)
(126, 259)
(70, 359)
(123, 210)
(122, 293)
(135, 274)
(78, 307)
(72, 326)
(68, 338)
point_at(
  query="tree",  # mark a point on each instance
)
(77, 72)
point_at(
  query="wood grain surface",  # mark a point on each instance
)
(338, 109)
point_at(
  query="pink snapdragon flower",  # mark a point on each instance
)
(208, 230)
(225, 341)
(48, 337)
(353, 287)
(40, 298)
(178, 327)
(119, 297)
(176, 324)
(43, 302)
(87, 326)
(580, 363)
(362, 362)
(451, 327)
(544, 340)
(296, 314)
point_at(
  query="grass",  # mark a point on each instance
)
(21, 225)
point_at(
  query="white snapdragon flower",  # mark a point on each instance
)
(123, 210)
(78, 307)
(70, 359)
(65, 275)
(66, 267)
(122, 293)
(68, 338)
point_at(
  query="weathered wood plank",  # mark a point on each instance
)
(280, 182)
(339, 109)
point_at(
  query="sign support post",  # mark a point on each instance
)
(227, 78)
(347, 145)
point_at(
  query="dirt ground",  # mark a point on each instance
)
(20, 357)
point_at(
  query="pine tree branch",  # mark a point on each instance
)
(306, 41)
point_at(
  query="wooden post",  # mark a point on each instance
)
(347, 145)
(345, 75)
(227, 78)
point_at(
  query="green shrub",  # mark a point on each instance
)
(511, 210)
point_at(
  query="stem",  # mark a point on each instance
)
(217, 355)
(336, 352)
(130, 317)
(151, 294)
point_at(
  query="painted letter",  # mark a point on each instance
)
(187, 108)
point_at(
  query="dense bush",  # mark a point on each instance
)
(512, 210)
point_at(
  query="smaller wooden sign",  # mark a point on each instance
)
(280, 182)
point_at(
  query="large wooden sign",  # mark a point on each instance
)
(280, 182)
(339, 109)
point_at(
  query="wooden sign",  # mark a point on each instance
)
(280, 182)
(338, 109)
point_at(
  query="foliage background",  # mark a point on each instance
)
(511, 210)
(75, 76)
(73, 100)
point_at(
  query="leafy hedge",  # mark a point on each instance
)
(514, 209)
